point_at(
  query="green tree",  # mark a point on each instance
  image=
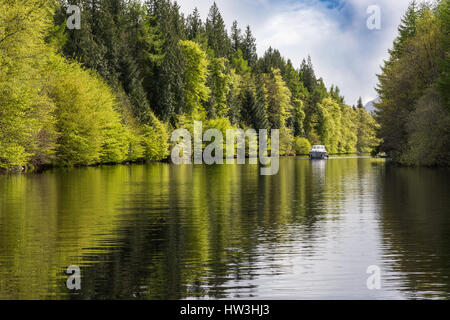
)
(278, 97)
(360, 104)
(279, 109)
(444, 63)
(195, 64)
(216, 32)
(26, 114)
(406, 76)
(272, 59)
(298, 98)
(194, 25)
(166, 86)
(236, 36)
(248, 47)
(219, 86)
(367, 132)
(302, 146)
(307, 75)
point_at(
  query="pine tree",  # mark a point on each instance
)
(272, 59)
(248, 107)
(194, 25)
(298, 99)
(216, 32)
(406, 29)
(412, 68)
(260, 113)
(307, 75)
(166, 88)
(218, 82)
(249, 47)
(360, 104)
(236, 36)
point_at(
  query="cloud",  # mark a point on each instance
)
(334, 32)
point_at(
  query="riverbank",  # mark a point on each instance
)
(40, 169)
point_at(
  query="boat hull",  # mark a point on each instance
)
(318, 155)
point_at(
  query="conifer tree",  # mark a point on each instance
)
(236, 36)
(194, 25)
(216, 32)
(307, 75)
(249, 47)
(360, 104)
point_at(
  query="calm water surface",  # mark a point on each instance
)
(160, 231)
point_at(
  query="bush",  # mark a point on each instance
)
(155, 140)
(286, 142)
(302, 146)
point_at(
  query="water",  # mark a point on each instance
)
(159, 231)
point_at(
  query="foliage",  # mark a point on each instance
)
(26, 120)
(155, 140)
(366, 134)
(302, 146)
(195, 74)
(219, 85)
(109, 92)
(416, 65)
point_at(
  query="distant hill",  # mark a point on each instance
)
(370, 108)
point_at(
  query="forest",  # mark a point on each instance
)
(414, 88)
(113, 90)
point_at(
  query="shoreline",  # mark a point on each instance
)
(44, 168)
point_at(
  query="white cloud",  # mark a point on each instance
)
(344, 51)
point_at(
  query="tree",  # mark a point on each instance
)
(248, 47)
(219, 84)
(429, 132)
(278, 97)
(216, 32)
(194, 25)
(236, 36)
(109, 92)
(406, 29)
(302, 146)
(248, 107)
(444, 63)
(405, 78)
(155, 140)
(166, 86)
(89, 129)
(330, 125)
(367, 131)
(239, 63)
(26, 114)
(298, 97)
(307, 75)
(233, 97)
(196, 72)
(260, 111)
(272, 59)
(360, 104)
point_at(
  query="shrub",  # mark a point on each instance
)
(155, 140)
(302, 146)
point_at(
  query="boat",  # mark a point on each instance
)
(318, 152)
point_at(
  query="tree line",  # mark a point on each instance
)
(414, 87)
(113, 90)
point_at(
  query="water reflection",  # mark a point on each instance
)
(172, 232)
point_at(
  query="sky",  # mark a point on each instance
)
(344, 51)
